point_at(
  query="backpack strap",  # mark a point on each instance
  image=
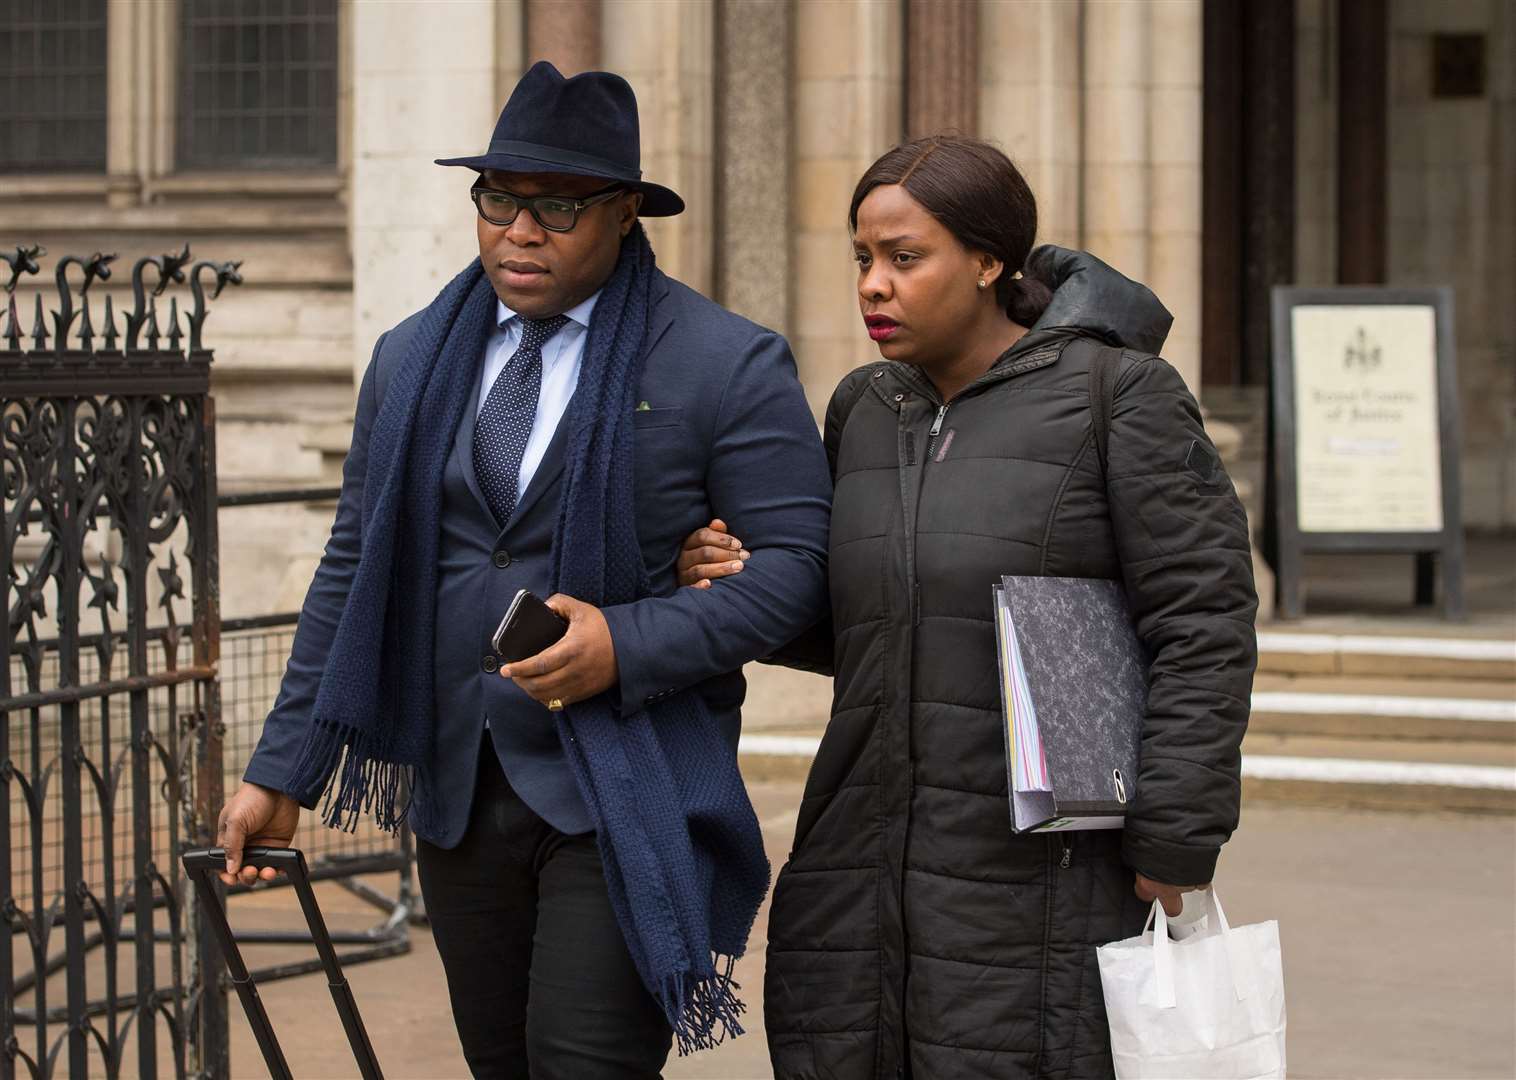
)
(1104, 367)
(846, 411)
(862, 388)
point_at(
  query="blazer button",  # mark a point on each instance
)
(489, 663)
(502, 559)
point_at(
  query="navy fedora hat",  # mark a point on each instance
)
(586, 126)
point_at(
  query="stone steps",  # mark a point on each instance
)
(1373, 709)
(1314, 772)
(1289, 652)
(1364, 720)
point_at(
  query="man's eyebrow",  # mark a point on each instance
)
(523, 195)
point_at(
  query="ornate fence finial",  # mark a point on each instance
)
(23, 262)
(150, 331)
(39, 328)
(170, 268)
(12, 325)
(86, 328)
(174, 333)
(226, 274)
(96, 266)
(108, 339)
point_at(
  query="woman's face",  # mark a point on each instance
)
(918, 287)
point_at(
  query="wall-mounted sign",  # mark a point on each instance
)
(1366, 429)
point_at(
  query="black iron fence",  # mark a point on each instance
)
(121, 724)
(110, 717)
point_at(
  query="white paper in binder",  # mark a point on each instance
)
(1208, 1007)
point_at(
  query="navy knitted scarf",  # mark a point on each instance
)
(681, 847)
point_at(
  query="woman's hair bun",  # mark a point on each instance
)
(1028, 298)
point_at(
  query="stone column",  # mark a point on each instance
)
(1173, 176)
(1029, 100)
(1316, 145)
(1362, 136)
(566, 32)
(423, 87)
(1140, 190)
(754, 43)
(847, 112)
(941, 76)
(1117, 60)
(123, 85)
(665, 48)
(510, 47)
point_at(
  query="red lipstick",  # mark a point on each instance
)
(881, 327)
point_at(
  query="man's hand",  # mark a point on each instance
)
(581, 664)
(255, 817)
(710, 553)
(1172, 896)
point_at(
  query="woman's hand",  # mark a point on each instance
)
(1172, 895)
(710, 553)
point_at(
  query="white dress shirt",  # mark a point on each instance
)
(562, 357)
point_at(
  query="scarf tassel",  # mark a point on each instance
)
(359, 783)
(703, 1012)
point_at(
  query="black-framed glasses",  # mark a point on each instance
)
(555, 213)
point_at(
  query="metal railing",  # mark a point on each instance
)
(120, 726)
(110, 711)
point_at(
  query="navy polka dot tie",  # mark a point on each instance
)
(505, 422)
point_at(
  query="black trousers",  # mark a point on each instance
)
(541, 982)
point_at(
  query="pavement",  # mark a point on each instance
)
(1398, 934)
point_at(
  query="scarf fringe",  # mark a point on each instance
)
(703, 1012)
(361, 784)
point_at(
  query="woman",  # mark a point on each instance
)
(912, 933)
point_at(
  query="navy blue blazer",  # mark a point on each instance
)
(728, 434)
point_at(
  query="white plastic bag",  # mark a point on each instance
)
(1209, 1007)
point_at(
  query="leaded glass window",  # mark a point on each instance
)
(52, 85)
(258, 84)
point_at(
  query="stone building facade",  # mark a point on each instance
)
(298, 136)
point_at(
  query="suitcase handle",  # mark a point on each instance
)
(202, 864)
(290, 860)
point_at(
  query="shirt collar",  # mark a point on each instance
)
(579, 313)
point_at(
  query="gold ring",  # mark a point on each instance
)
(556, 705)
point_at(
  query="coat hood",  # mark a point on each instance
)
(1093, 298)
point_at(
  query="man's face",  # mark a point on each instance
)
(538, 273)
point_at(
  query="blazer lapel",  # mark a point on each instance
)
(548, 472)
(663, 314)
(463, 445)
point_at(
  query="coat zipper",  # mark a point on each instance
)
(931, 441)
(1068, 854)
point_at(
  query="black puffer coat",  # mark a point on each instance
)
(912, 934)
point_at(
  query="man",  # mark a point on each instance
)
(559, 422)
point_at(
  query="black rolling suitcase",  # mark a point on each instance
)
(201, 865)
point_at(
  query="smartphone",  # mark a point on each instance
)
(529, 626)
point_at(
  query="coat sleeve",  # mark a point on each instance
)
(284, 730)
(815, 650)
(1182, 538)
(767, 478)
